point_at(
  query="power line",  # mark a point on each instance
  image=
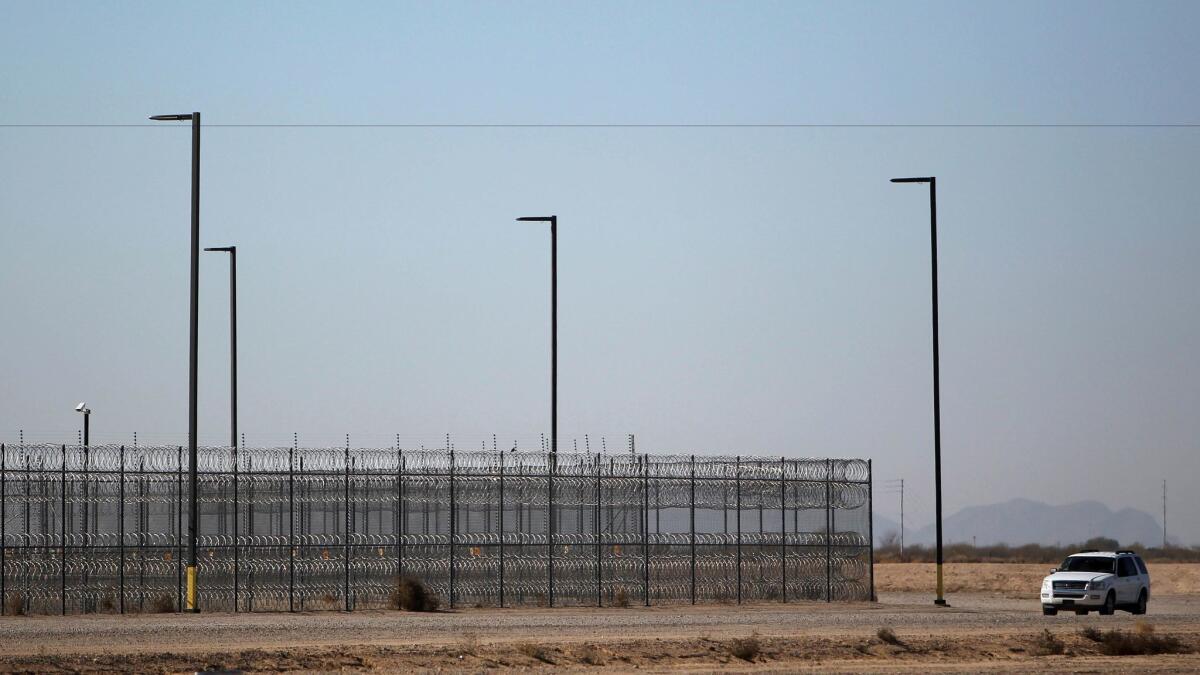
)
(585, 125)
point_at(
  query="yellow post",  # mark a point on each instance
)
(191, 587)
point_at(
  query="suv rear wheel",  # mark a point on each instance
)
(1049, 611)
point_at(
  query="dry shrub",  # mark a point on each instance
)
(591, 656)
(1047, 644)
(1141, 641)
(163, 603)
(745, 648)
(889, 636)
(534, 651)
(14, 604)
(108, 604)
(621, 599)
(412, 595)
(1092, 633)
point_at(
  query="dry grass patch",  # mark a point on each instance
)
(621, 599)
(412, 595)
(1141, 641)
(469, 644)
(745, 649)
(591, 656)
(14, 604)
(534, 651)
(163, 603)
(1048, 645)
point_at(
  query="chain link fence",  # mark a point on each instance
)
(103, 529)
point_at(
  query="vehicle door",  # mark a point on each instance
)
(1143, 573)
(1127, 580)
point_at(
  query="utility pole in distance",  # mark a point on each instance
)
(1164, 513)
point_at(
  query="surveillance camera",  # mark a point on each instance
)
(81, 407)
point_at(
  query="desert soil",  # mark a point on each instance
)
(1014, 580)
(984, 629)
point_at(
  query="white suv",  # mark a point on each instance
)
(1097, 580)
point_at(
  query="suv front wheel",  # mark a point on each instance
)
(1140, 607)
(1110, 604)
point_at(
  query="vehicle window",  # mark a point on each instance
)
(1087, 563)
(1141, 565)
(1126, 568)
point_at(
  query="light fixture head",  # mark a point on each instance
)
(224, 249)
(82, 407)
(170, 118)
(925, 179)
(537, 219)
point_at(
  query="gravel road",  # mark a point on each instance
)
(973, 630)
(911, 613)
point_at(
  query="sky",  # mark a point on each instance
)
(749, 285)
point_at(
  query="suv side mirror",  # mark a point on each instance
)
(1053, 570)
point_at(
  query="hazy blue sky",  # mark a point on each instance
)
(732, 290)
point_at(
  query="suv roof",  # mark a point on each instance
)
(1104, 554)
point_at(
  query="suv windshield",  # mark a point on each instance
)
(1088, 564)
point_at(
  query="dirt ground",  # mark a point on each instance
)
(1014, 580)
(986, 628)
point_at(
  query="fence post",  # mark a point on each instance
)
(828, 531)
(179, 530)
(596, 527)
(62, 518)
(346, 537)
(737, 482)
(121, 521)
(453, 526)
(250, 529)
(783, 525)
(646, 528)
(142, 520)
(85, 514)
(403, 511)
(3, 532)
(237, 518)
(292, 529)
(871, 526)
(501, 525)
(692, 525)
(551, 464)
(398, 508)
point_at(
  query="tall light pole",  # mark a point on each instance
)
(232, 251)
(193, 519)
(553, 463)
(937, 396)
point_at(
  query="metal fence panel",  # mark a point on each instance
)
(102, 529)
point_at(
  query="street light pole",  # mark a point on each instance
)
(232, 251)
(937, 398)
(193, 482)
(553, 220)
(553, 458)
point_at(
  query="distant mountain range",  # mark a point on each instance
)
(1024, 521)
